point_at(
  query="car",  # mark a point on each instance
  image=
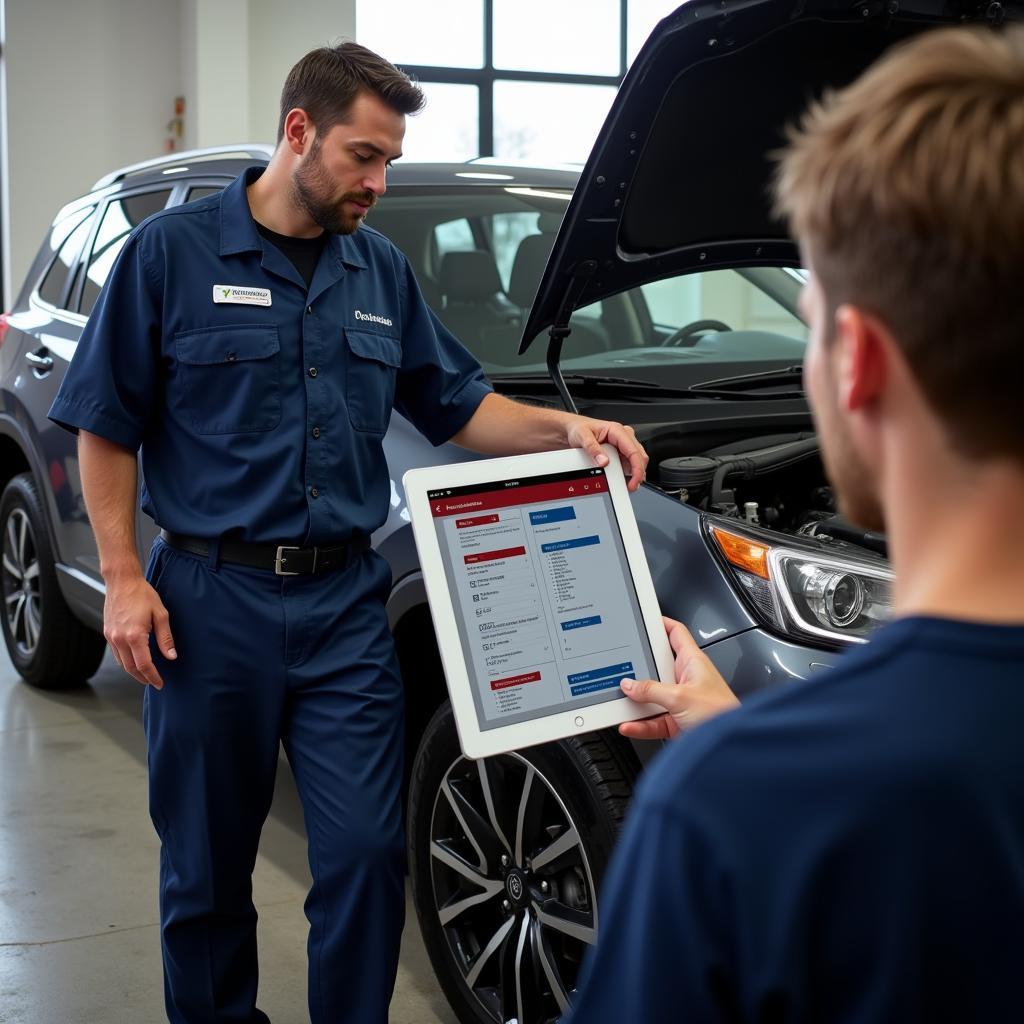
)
(652, 286)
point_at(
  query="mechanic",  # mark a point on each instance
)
(851, 847)
(253, 344)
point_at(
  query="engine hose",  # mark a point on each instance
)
(754, 464)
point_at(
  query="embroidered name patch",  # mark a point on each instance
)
(241, 296)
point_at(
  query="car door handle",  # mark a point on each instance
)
(40, 360)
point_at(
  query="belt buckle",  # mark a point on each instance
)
(280, 555)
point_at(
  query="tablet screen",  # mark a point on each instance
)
(549, 617)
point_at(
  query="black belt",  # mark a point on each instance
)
(283, 559)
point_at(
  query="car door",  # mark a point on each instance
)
(108, 229)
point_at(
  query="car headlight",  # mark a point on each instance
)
(805, 593)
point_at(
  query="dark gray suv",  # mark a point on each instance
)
(668, 297)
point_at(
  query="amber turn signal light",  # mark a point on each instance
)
(742, 552)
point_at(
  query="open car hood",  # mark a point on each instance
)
(679, 177)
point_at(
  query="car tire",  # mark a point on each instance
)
(506, 856)
(49, 647)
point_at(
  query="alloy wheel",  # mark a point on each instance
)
(22, 600)
(513, 887)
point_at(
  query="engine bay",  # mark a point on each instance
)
(776, 481)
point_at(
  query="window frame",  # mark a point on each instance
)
(486, 77)
(70, 276)
(74, 298)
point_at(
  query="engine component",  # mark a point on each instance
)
(842, 529)
(691, 473)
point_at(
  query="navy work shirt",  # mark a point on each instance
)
(849, 849)
(261, 406)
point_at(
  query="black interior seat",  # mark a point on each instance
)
(476, 309)
(531, 258)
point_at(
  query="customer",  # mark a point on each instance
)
(851, 848)
(253, 344)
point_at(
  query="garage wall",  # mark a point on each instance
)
(277, 40)
(90, 87)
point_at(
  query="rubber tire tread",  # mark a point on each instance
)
(69, 652)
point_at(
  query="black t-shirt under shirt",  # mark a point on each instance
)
(304, 253)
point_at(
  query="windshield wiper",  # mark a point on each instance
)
(591, 386)
(746, 382)
(587, 385)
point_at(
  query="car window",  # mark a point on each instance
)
(75, 230)
(507, 231)
(119, 218)
(725, 296)
(454, 236)
(202, 191)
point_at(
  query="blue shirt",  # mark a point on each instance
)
(261, 421)
(849, 849)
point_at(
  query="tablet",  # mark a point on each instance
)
(540, 593)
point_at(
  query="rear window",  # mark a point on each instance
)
(202, 191)
(119, 219)
(74, 230)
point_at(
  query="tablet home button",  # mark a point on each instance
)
(579, 720)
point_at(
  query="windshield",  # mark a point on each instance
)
(479, 254)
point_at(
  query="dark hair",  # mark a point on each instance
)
(328, 79)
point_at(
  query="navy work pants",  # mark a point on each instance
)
(306, 661)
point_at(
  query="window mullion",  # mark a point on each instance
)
(623, 28)
(487, 85)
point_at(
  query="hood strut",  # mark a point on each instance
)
(560, 329)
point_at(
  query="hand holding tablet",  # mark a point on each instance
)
(540, 593)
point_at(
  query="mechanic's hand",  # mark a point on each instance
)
(132, 610)
(590, 434)
(700, 692)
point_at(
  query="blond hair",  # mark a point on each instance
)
(906, 190)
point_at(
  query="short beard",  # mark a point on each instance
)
(311, 183)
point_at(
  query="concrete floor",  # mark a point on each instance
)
(79, 940)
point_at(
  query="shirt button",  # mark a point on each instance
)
(309, 309)
(314, 492)
(232, 357)
(312, 371)
(316, 431)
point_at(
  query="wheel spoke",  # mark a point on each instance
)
(565, 842)
(462, 867)
(32, 571)
(16, 617)
(513, 989)
(523, 801)
(488, 951)
(573, 923)
(479, 830)
(16, 596)
(543, 955)
(13, 569)
(22, 535)
(31, 622)
(448, 913)
(12, 539)
(485, 783)
(456, 807)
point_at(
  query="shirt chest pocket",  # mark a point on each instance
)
(373, 362)
(230, 378)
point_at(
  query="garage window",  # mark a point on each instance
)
(502, 77)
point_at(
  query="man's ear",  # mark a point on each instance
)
(862, 357)
(298, 130)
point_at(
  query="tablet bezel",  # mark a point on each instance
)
(499, 739)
